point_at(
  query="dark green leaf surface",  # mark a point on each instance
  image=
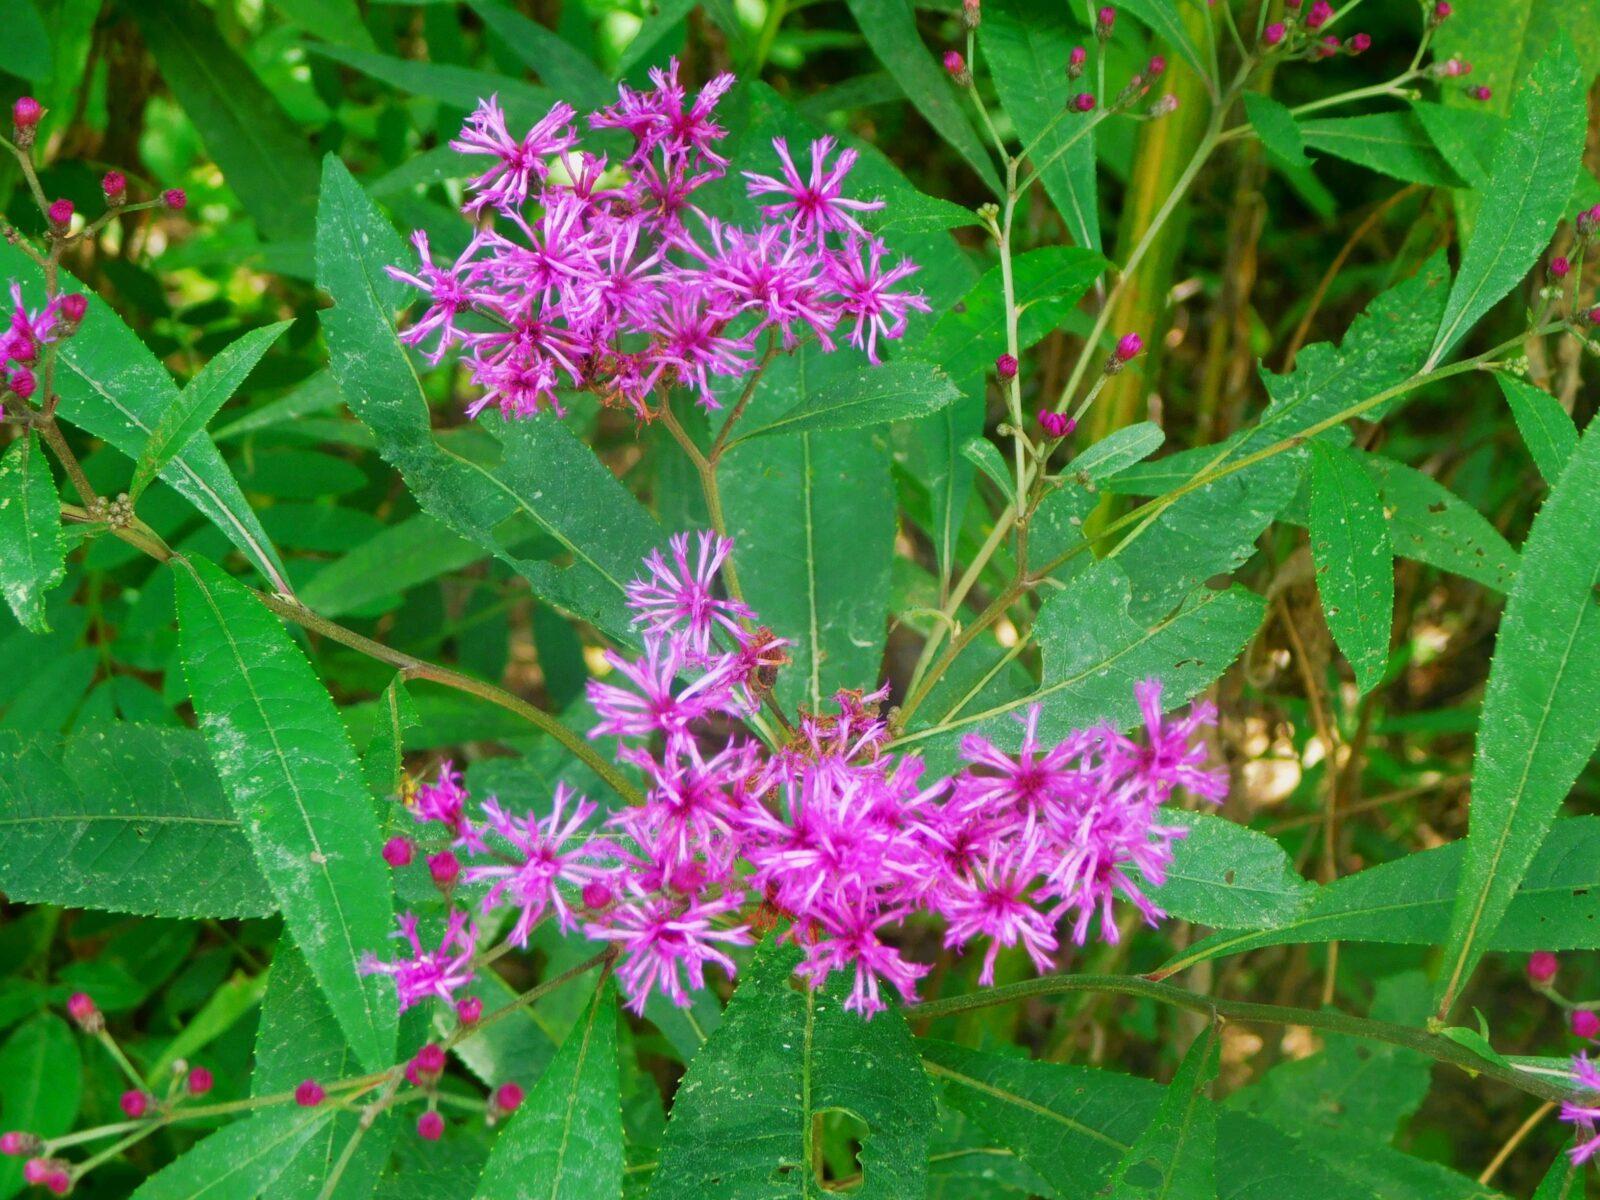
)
(1391, 143)
(741, 1124)
(1230, 877)
(242, 1159)
(41, 1082)
(119, 817)
(867, 397)
(402, 556)
(1175, 1158)
(1431, 524)
(1541, 711)
(1547, 429)
(565, 1142)
(287, 766)
(1355, 568)
(1276, 127)
(1118, 451)
(1163, 20)
(32, 549)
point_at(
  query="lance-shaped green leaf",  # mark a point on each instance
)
(1391, 143)
(402, 556)
(111, 386)
(461, 87)
(1161, 17)
(116, 817)
(1541, 710)
(558, 63)
(1025, 42)
(1563, 1181)
(1546, 428)
(1230, 877)
(1276, 127)
(1431, 524)
(285, 761)
(1118, 450)
(742, 1119)
(1530, 185)
(985, 455)
(890, 28)
(1355, 568)
(244, 1158)
(869, 396)
(41, 1083)
(266, 159)
(199, 401)
(32, 549)
(1409, 902)
(498, 484)
(565, 1142)
(1175, 1158)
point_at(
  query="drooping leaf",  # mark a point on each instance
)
(1541, 711)
(244, 1158)
(870, 396)
(117, 817)
(199, 401)
(741, 1123)
(32, 549)
(1230, 877)
(1529, 185)
(286, 764)
(890, 28)
(1355, 569)
(1547, 429)
(985, 455)
(1391, 143)
(593, 519)
(267, 161)
(565, 1142)
(812, 517)
(1025, 42)
(1276, 127)
(112, 387)
(1175, 1158)
(41, 1083)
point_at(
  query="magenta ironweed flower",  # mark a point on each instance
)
(540, 858)
(1583, 1110)
(429, 973)
(667, 940)
(443, 801)
(611, 279)
(677, 598)
(26, 112)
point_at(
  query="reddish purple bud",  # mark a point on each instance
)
(58, 1182)
(469, 1011)
(596, 895)
(1559, 266)
(1327, 47)
(60, 213)
(174, 198)
(1057, 425)
(398, 852)
(26, 112)
(23, 383)
(309, 1094)
(73, 307)
(134, 1104)
(1104, 21)
(1463, 67)
(1359, 44)
(1442, 11)
(18, 1144)
(1593, 315)
(1585, 1022)
(37, 1170)
(1006, 366)
(430, 1127)
(445, 868)
(507, 1097)
(1480, 92)
(80, 1007)
(971, 13)
(1129, 346)
(1083, 102)
(954, 63)
(200, 1081)
(429, 1060)
(1542, 967)
(1155, 66)
(1319, 13)
(1075, 62)
(115, 186)
(1273, 34)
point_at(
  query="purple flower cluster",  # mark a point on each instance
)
(830, 834)
(589, 275)
(27, 333)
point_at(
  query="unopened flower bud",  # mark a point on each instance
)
(429, 1064)
(1585, 1022)
(58, 1182)
(174, 198)
(1441, 12)
(1075, 62)
(1542, 967)
(23, 383)
(37, 1170)
(398, 852)
(1129, 346)
(1155, 66)
(1273, 34)
(1104, 22)
(60, 215)
(508, 1097)
(80, 1007)
(445, 868)
(134, 1104)
(199, 1081)
(1327, 47)
(74, 305)
(309, 1094)
(596, 895)
(1006, 366)
(115, 186)
(1480, 93)
(1593, 315)
(1057, 425)
(1318, 14)
(957, 68)
(18, 1144)
(1083, 102)
(1359, 44)
(26, 112)
(469, 1010)
(430, 1127)
(1559, 266)
(971, 14)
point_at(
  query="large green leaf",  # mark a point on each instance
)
(559, 64)
(870, 396)
(813, 519)
(241, 1159)
(1230, 877)
(742, 1118)
(116, 817)
(1355, 568)
(1431, 524)
(1506, 40)
(402, 556)
(32, 549)
(1163, 20)
(265, 158)
(1278, 130)
(1546, 428)
(297, 1038)
(1025, 43)
(1541, 711)
(1175, 1158)
(545, 482)
(1409, 901)
(41, 1083)
(25, 51)
(565, 1142)
(199, 401)
(1392, 143)
(1118, 450)
(111, 386)
(890, 28)
(286, 763)
(1530, 184)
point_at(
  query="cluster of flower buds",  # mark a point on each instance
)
(1299, 34)
(608, 278)
(827, 833)
(1582, 1110)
